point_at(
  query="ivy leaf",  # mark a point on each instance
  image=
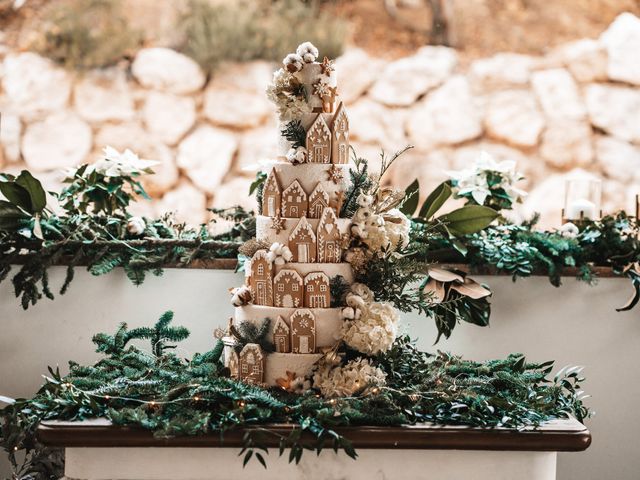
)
(469, 219)
(34, 188)
(411, 198)
(435, 200)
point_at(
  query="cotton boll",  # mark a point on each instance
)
(136, 226)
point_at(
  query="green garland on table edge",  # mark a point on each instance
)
(173, 396)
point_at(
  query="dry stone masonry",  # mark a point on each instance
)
(574, 111)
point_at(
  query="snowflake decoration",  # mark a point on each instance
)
(335, 174)
(321, 89)
(278, 224)
(327, 66)
(304, 323)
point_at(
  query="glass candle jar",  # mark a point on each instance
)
(582, 199)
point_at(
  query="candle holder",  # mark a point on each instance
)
(582, 201)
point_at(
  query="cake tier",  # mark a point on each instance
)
(330, 269)
(270, 235)
(328, 320)
(309, 175)
(278, 364)
(309, 75)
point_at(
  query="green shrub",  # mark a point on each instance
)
(260, 29)
(82, 34)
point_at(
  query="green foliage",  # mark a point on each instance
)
(361, 182)
(85, 34)
(174, 396)
(257, 186)
(469, 219)
(25, 199)
(435, 200)
(94, 190)
(338, 288)
(247, 30)
(295, 133)
(249, 332)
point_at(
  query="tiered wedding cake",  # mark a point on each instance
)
(299, 226)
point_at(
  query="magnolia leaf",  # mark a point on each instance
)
(16, 194)
(411, 198)
(34, 188)
(7, 400)
(635, 297)
(469, 219)
(444, 275)
(435, 200)
(472, 289)
(434, 290)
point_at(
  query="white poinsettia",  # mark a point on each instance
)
(356, 376)
(488, 179)
(287, 95)
(116, 164)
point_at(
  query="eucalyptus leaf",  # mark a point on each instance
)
(469, 219)
(411, 199)
(435, 200)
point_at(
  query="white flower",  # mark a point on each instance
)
(136, 225)
(348, 313)
(283, 91)
(375, 234)
(569, 230)
(357, 376)
(116, 164)
(364, 200)
(397, 227)
(307, 51)
(293, 62)
(374, 332)
(475, 181)
(279, 254)
(362, 215)
(297, 155)
(240, 296)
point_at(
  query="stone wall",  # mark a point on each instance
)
(577, 108)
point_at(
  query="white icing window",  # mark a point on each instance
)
(290, 197)
(256, 369)
(260, 269)
(245, 368)
(309, 288)
(323, 288)
(281, 287)
(294, 287)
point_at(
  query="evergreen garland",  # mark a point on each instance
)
(295, 133)
(172, 396)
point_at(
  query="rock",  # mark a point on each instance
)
(446, 116)
(230, 107)
(168, 70)
(513, 116)
(586, 59)
(402, 82)
(566, 144)
(248, 77)
(558, 94)
(547, 198)
(187, 202)
(10, 131)
(615, 109)
(618, 159)
(60, 140)
(504, 70)
(131, 135)
(256, 146)
(370, 122)
(34, 85)
(622, 40)
(169, 116)
(234, 192)
(103, 95)
(359, 71)
(206, 156)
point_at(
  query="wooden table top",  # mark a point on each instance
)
(562, 435)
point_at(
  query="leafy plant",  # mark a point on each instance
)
(247, 30)
(295, 133)
(26, 201)
(85, 34)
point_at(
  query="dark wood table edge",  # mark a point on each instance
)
(400, 438)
